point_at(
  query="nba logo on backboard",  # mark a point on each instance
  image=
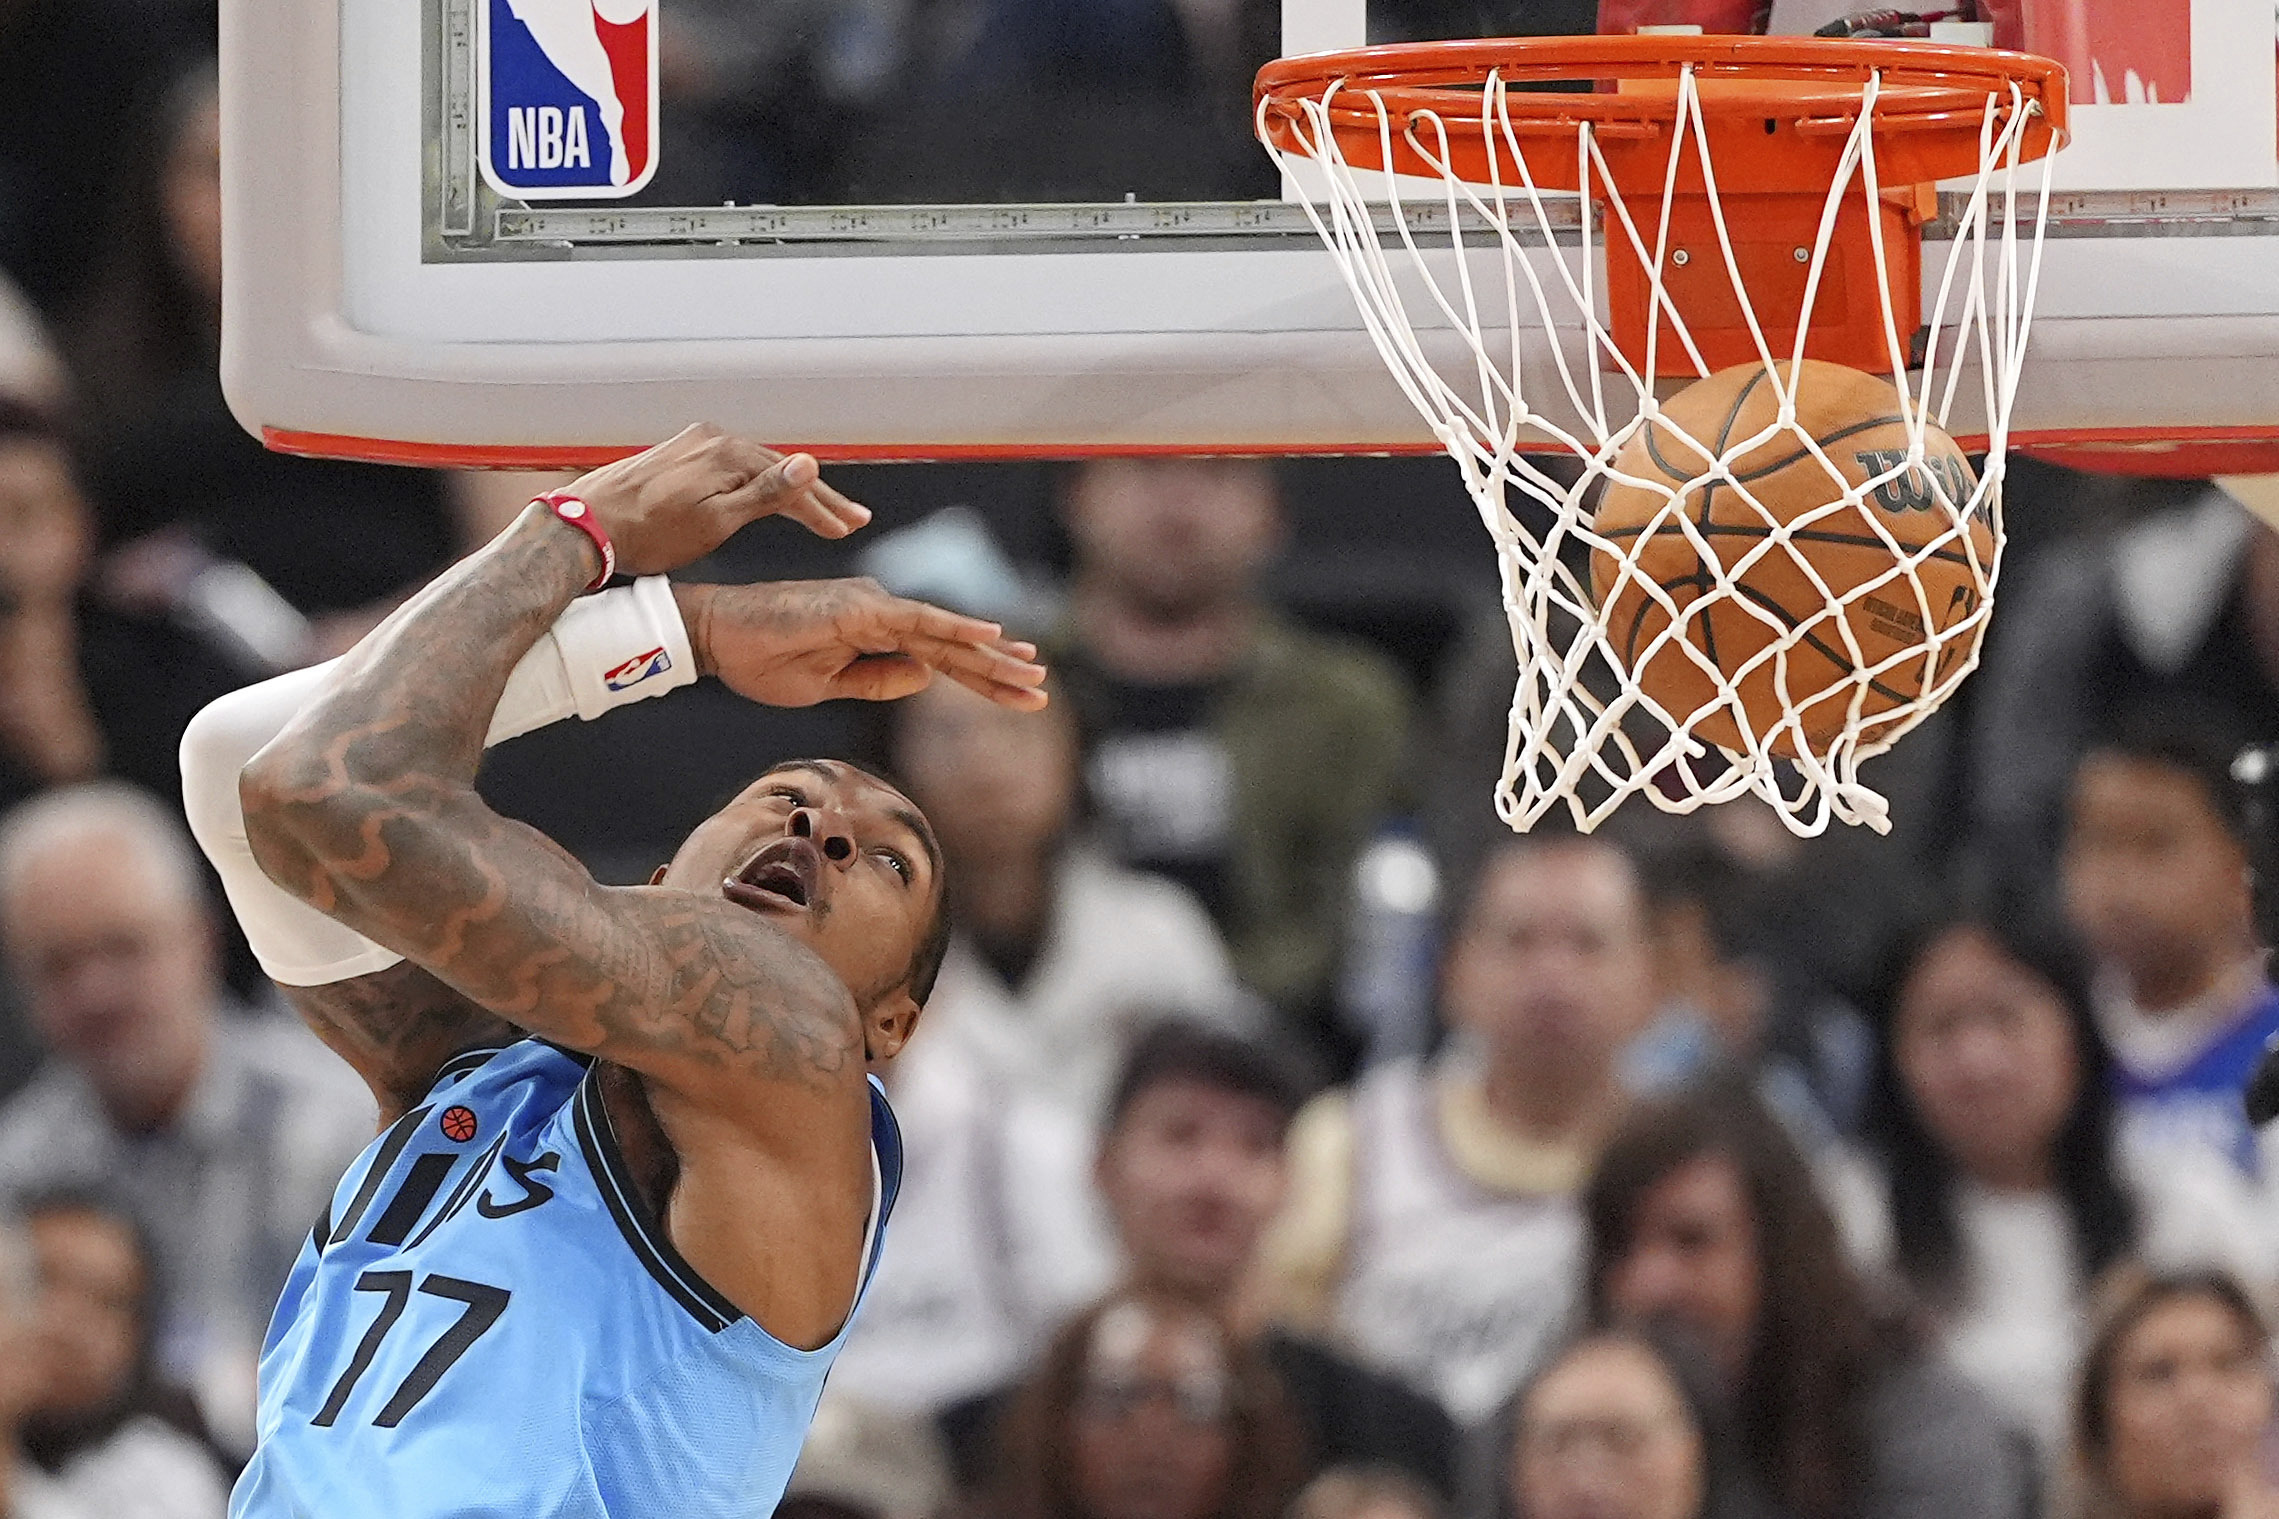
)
(568, 96)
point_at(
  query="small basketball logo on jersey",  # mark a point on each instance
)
(459, 1124)
(569, 96)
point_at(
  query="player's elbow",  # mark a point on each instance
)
(284, 808)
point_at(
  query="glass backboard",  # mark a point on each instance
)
(544, 231)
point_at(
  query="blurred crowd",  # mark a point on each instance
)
(1286, 1137)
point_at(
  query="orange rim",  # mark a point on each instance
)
(2180, 452)
(1776, 110)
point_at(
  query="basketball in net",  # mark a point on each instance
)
(1669, 304)
(1817, 577)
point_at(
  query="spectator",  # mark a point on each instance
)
(996, 1237)
(1192, 1167)
(341, 542)
(86, 688)
(2155, 874)
(1428, 1168)
(1145, 1408)
(112, 1435)
(1726, 1001)
(2003, 1192)
(1365, 1492)
(1618, 1426)
(1244, 758)
(2181, 605)
(1703, 1217)
(26, 1492)
(2175, 1403)
(225, 1133)
(1057, 954)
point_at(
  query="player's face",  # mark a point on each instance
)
(838, 860)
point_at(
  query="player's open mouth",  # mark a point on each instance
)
(784, 874)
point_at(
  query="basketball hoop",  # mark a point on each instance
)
(1600, 214)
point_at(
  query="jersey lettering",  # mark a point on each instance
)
(421, 1183)
(534, 1191)
(369, 1188)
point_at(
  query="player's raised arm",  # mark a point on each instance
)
(365, 808)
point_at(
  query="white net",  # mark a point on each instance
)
(1706, 600)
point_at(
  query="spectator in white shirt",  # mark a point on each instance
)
(224, 1132)
(1432, 1227)
(2004, 1189)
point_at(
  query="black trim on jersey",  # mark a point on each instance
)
(886, 1140)
(598, 1138)
(323, 1230)
(465, 1061)
(390, 1149)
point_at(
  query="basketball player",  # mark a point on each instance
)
(601, 1270)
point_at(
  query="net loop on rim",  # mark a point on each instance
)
(1617, 216)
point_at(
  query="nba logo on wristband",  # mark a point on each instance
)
(637, 669)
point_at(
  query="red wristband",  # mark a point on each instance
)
(580, 516)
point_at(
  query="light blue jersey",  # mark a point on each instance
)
(487, 1324)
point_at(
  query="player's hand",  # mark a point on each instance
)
(794, 643)
(680, 500)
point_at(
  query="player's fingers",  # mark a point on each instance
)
(983, 661)
(1019, 698)
(882, 677)
(790, 487)
(924, 620)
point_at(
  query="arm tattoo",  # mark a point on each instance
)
(366, 808)
(398, 1027)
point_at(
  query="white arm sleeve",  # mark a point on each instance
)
(604, 652)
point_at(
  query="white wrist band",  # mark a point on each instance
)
(605, 652)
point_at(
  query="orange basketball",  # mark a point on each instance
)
(1855, 418)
